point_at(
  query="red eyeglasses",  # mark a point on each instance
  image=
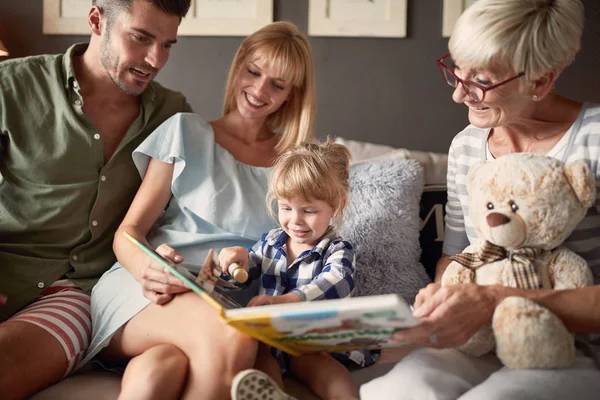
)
(475, 90)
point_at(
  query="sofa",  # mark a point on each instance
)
(427, 232)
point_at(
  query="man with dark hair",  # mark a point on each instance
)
(111, 8)
(68, 126)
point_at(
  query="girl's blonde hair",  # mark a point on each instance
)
(531, 36)
(288, 53)
(312, 171)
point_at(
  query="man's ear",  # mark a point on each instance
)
(543, 85)
(96, 20)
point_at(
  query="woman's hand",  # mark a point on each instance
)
(230, 255)
(265, 299)
(158, 285)
(450, 315)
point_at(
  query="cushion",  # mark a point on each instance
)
(382, 221)
(435, 165)
(364, 150)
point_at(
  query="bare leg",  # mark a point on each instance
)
(30, 359)
(216, 351)
(158, 373)
(325, 376)
(266, 363)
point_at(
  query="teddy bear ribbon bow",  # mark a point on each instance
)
(521, 260)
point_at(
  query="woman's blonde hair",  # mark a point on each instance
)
(312, 171)
(530, 36)
(287, 52)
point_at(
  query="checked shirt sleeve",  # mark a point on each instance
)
(255, 258)
(336, 278)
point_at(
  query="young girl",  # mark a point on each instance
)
(303, 260)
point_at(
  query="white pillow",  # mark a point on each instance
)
(364, 150)
(435, 165)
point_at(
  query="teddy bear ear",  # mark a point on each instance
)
(473, 171)
(581, 180)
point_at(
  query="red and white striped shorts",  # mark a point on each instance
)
(64, 312)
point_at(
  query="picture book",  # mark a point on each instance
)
(298, 328)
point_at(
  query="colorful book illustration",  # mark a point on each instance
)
(298, 328)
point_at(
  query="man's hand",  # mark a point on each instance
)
(450, 315)
(158, 285)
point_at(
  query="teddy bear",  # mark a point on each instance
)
(523, 206)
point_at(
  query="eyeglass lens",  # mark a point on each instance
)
(473, 91)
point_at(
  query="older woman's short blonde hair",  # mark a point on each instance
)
(312, 171)
(288, 53)
(530, 36)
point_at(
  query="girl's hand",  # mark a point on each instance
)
(450, 315)
(230, 255)
(158, 285)
(265, 299)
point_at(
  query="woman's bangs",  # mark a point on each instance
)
(473, 49)
(283, 62)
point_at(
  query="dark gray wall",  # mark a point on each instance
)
(380, 90)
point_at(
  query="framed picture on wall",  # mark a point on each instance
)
(205, 18)
(452, 10)
(357, 18)
(65, 17)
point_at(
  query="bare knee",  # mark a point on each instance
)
(22, 371)
(159, 372)
(241, 354)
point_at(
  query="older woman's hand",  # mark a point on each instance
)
(449, 315)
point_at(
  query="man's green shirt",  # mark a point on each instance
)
(60, 204)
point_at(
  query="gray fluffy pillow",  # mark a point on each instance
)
(382, 221)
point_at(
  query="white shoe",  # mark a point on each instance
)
(252, 384)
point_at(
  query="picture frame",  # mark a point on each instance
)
(205, 17)
(357, 18)
(65, 17)
(452, 10)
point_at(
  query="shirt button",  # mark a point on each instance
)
(94, 223)
(78, 102)
(74, 258)
(103, 178)
(97, 136)
(75, 84)
(41, 285)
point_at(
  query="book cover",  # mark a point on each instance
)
(298, 328)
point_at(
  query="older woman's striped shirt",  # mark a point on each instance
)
(581, 142)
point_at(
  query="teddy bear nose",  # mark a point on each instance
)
(497, 219)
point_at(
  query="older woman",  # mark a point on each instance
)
(505, 56)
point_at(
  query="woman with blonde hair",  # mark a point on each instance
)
(505, 56)
(203, 187)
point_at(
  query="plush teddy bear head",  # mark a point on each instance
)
(529, 200)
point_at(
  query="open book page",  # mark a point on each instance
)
(328, 325)
(210, 292)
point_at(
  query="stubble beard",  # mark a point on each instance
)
(111, 66)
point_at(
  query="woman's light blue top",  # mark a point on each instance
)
(217, 201)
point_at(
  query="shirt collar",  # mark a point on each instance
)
(68, 71)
